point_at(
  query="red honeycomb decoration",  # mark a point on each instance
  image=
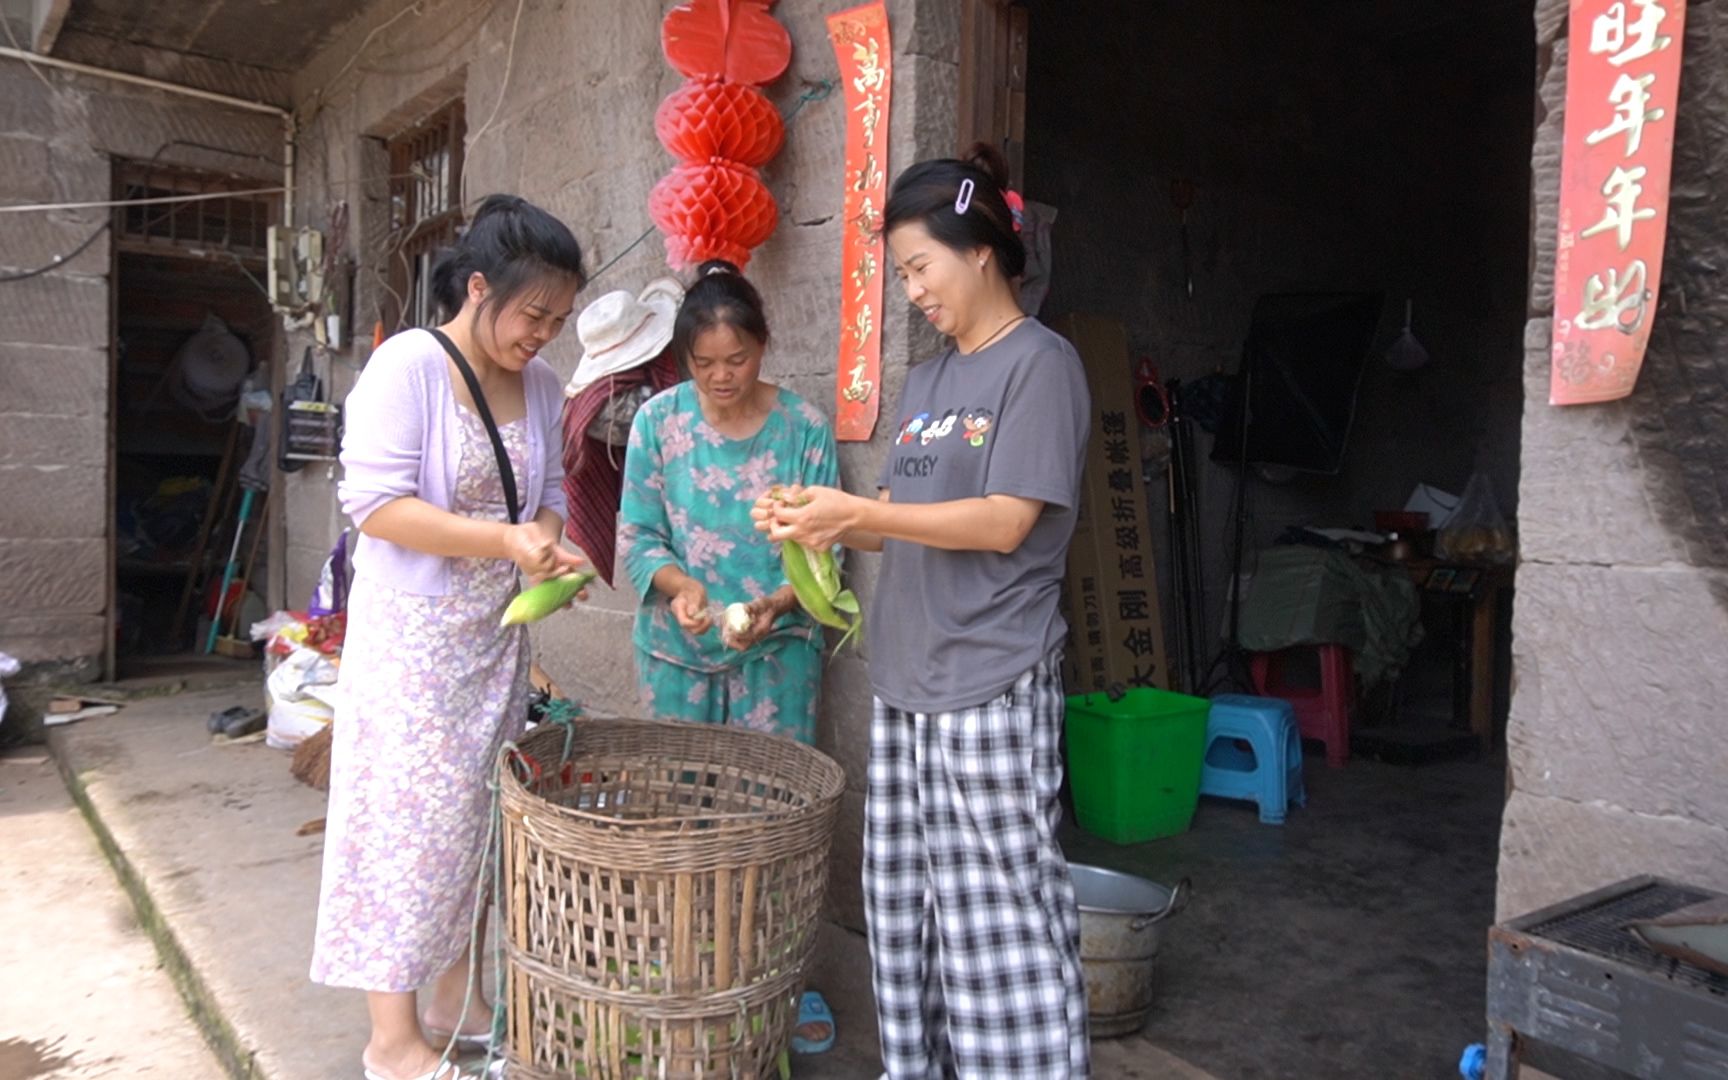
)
(712, 210)
(703, 120)
(721, 128)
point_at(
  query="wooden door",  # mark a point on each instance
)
(993, 78)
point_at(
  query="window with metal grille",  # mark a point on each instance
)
(425, 208)
(238, 225)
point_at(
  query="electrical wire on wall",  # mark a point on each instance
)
(817, 91)
(388, 61)
(107, 204)
(12, 36)
(503, 89)
(365, 61)
(58, 261)
(318, 99)
(161, 200)
(449, 26)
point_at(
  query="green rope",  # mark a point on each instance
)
(564, 713)
(819, 92)
(494, 1051)
(490, 854)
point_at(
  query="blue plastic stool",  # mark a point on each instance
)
(1269, 770)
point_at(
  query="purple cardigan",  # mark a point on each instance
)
(402, 437)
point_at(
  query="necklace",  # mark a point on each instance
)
(999, 331)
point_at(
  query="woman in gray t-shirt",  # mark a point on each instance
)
(974, 932)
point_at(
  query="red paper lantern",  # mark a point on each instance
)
(714, 206)
(712, 119)
(734, 40)
(712, 210)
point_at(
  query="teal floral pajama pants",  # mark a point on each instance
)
(776, 691)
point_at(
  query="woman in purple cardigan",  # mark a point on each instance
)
(431, 685)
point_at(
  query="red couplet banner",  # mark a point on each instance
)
(860, 38)
(1622, 86)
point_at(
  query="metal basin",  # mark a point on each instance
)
(1121, 925)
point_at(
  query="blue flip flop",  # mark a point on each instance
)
(813, 1009)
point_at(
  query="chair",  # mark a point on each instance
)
(1254, 752)
(1322, 712)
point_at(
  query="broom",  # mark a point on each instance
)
(311, 765)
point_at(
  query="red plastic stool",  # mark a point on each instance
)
(1322, 712)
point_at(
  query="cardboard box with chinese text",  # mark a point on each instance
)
(1116, 632)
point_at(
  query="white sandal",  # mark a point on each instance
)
(463, 1042)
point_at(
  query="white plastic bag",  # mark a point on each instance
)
(1477, 532)
(9, 667)
(293, 722)
(270, 627)
(304, 669)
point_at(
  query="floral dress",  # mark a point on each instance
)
(431, 689)
(688, 490)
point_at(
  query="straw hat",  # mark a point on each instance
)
(620, 331)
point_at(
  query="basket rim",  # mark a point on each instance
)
(512, 786)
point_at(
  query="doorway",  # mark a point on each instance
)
(194, 342)
(1198, 167)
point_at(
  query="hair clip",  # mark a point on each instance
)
(1016, 206)
(963, 201)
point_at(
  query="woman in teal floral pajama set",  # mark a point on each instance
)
(700, 456)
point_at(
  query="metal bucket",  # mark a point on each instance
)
(1121, 922)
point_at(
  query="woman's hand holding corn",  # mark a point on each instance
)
(816, 517)
(538, 555)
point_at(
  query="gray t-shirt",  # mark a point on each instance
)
(954, 629)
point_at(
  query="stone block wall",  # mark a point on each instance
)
(572, 129)
(1621, 627)
(59, 137)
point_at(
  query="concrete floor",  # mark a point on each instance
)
(208, 836)
(209, 841)
(83, 995)
(1349, 942)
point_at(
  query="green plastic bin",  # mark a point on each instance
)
(1134, 763)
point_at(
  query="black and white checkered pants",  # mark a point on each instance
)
(974, 932)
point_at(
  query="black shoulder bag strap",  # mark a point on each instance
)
(504, 469)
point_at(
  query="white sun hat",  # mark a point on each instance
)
(620, 331)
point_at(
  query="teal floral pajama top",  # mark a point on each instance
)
(688, 491)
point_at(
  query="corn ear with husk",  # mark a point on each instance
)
(534, 604)
(815, 578)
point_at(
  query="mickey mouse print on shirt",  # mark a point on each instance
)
(1001, 421)
(974, 424)
(978, 424)
(940, 452)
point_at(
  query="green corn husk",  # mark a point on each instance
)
(815, 578)
(532, 605)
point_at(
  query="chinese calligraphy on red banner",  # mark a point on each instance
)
(860, 38)
(1622, 83)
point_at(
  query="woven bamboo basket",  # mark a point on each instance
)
(663, 890)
